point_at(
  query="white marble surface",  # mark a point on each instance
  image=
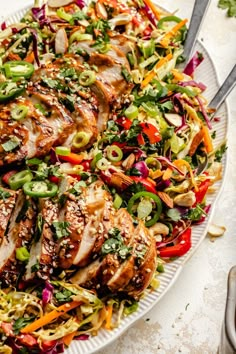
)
(188, 319)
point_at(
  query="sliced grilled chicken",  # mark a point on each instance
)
(99, 272)
(7, 203)
(97, 220)
(19, 235)
(146, 262)
(43, 250)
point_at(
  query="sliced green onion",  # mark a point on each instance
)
(160, 268)
(87, 78)
(64, 15)
(22, 254)
(117, 201)
(150, 108)
(130, 58)
(144, 208)
(79, 37)
(81, 139)
(19, 112)
(103, 164)
(114, 153)
(62, 150)
(11, 144)
(96, 158)
(147, 48)
(131, 112)
(148, 61)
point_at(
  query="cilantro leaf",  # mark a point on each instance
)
(4, 194)
(21, 323)
(230, 5)
(220, 152)
(61, 228)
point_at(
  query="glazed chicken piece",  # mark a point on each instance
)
(7, 203)
(35, 134)
(19, 234)
(43, 250)
(89, 216)
(132, 274)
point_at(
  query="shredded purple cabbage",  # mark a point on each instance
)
(3, 26)
(39, 13)
(141, 166)
(149, 14)
(193, 63)
(193, 83)
(47, 293)
(204, 113)
(35, 45)
(80, 3)
(82, 337)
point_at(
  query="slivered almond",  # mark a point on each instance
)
(61, 41)
(129, 161)
(100, 10)
(59, 3)
(166, 199)
(120, 180)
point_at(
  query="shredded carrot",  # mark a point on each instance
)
(109, 310)
(49, 317)
(165, 40)
(152, 73)
(207, 139)
(13, 56)
(153, 8)
(177, 75)
(196, 142)
(68, 338)
(179, 163)
(30, 57)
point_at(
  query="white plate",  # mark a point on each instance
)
(205, 73)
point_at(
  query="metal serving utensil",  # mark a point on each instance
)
(224, 90)
(198, 14)
(215, 104)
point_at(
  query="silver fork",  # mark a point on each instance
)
(198, 14)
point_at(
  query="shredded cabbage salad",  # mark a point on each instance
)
(148, 155)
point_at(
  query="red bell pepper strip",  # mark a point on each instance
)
(140, 139)
(151, 131)
(124, 122)
(201, 192)
(74, 159)
(148, 185)
(182, 247)
(7, 176)
(28, 340)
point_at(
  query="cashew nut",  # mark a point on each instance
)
(185, 199)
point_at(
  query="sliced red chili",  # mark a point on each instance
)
(182, 247)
